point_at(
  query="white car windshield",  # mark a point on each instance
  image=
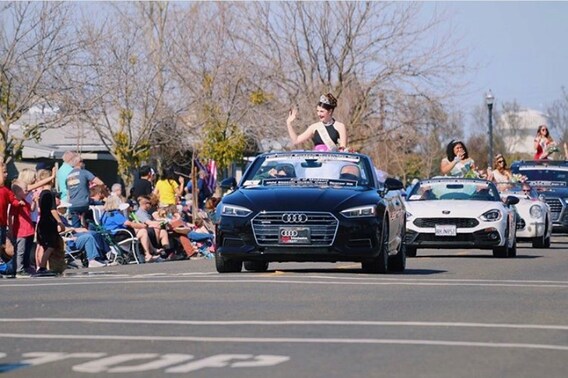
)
(306, 168)
(440, 190)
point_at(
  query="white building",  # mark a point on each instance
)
(519, 129)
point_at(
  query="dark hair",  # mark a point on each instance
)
(168, 174)
(450, 149)
(287, 168)
(327, 101)
(144, 170)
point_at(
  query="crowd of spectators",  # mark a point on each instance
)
(50, 216)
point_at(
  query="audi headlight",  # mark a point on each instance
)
(491, 215)
(235, 211)
(535, 211)
(361, 211)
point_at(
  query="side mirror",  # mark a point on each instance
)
(511, 200)
(228, 183)
(393, 184)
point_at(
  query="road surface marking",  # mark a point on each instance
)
(292, 340)
(350, 323)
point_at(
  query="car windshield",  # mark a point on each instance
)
(545, 177)
(455, 190)
(308, 169)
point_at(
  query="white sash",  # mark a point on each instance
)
(324, 135)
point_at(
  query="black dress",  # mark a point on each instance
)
(46, 231)
(333, 134)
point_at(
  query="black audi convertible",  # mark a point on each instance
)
(311, 206)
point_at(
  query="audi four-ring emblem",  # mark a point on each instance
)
(294, 218)
(290, 233)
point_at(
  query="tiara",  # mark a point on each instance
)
(325, 100)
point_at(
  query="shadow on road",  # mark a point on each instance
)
(354, 271)
(528, 257)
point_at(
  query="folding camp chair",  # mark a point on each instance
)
(124, 245)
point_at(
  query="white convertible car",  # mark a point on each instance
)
(534, 220)
(449, 212)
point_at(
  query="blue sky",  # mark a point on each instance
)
(519, 47)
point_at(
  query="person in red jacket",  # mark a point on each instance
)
(6, 198)
(22, 230)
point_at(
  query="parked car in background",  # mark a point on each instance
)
(449, 212)
(550, 179)
(534, 221)
(311, 206)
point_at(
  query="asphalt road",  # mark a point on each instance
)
(452, 314)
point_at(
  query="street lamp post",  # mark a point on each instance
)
(489, 101)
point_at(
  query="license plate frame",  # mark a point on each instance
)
(294, 235)
(445, 230)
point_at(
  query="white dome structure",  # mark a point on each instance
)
(519, 129)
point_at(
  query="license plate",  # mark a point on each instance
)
(294, 235)
(445, 230)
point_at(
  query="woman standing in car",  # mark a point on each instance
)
(457, 161)
(542, 143)
(327, 134)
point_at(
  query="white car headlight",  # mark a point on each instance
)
(361, 211)
(409, 215)
(491, 215)
(535, 211)
(235, 211)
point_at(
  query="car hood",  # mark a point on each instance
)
(440, 209)
(305, 199)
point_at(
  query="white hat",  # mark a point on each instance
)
(63, 204)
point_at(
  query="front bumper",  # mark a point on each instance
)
(483, 239)
(530, 230)
(352, 240)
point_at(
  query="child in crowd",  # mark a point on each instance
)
(22, 227)
(47, 236)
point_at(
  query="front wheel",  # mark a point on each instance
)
(539, 241)
(512, 252)
(411, 251)
(500, 251)
(225, 265)
(379, 264)
(397, 263)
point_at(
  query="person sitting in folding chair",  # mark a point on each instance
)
(80, 239)
(113, 220)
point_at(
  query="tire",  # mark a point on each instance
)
(547, 242)
(539, 241)
(500, 252)
(512, 252)
(411, 251)
(397, 263)
(379, 264)
(256, 266)
(224, 265)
